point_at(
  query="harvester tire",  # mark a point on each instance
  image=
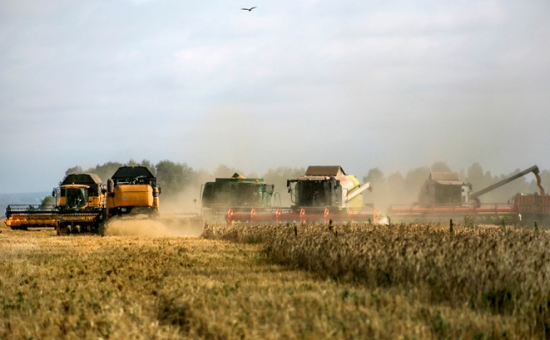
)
(101, 228)
(62, 230)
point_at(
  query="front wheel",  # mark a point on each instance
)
(102, 228)
(62, 229)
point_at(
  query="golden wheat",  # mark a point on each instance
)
(136, 286)
(488, 269)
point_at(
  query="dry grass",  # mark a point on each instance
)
(173, 286)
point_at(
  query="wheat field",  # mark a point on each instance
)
(144, 280)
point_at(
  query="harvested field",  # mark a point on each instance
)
(274, 282)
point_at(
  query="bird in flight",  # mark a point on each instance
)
(248, 9)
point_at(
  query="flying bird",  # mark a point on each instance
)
(248, 9)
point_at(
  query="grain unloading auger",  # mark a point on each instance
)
(323, 194)
(444, 196)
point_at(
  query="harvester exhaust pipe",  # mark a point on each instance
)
(359, 191)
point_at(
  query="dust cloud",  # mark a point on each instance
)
(161, 227)
(185, 202)
(179, 216)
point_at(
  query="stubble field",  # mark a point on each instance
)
(146, 280)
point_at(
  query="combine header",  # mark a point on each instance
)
(24, 216)
(324, 193)
(444, 196)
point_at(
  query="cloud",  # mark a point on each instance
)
(362, 84)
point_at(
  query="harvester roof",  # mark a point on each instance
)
(446, 177)
(82, 178)
(240, 180)
(132, 171)
(324, 170)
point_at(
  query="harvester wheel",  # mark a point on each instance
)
(102, 227)
(62, 229)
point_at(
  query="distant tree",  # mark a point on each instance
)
(379, 194)
(149, 166)
(278, 178)
(47, 201)
(396, 179)
(173, 177)
(105, 171)
(202, 176)
(415, 178)
(397, 191)
(440, 167)
(131, 162)
(74, 170)
(223, 171)
(375, 176)
(477, 178)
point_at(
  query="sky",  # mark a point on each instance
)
(392, 85)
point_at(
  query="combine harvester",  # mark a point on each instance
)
(323, 194)
(235, 195)
(444, 197)
(85, 204)
(132, 191)
(80, 206)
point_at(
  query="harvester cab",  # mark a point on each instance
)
(76, 196)
(133, 190)
(444, 188)
(327, 186)
(80, 204)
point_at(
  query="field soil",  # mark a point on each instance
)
(148, 280)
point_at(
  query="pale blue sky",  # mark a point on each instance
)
(361, 84)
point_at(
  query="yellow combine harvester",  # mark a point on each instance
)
(133, 190)
(80, 206)
(85, 204)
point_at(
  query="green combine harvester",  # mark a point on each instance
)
(238, 194)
